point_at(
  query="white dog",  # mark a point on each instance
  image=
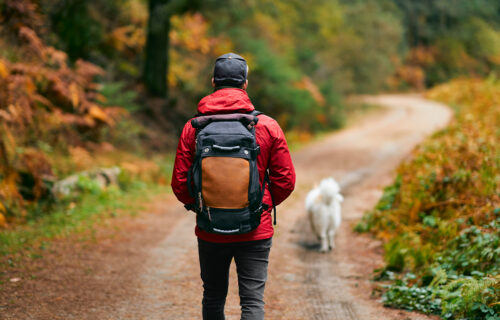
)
(323, 207)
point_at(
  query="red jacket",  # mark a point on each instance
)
(274, 155)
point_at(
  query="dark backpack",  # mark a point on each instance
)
(224, 178)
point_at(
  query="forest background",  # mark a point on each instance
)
(87, 85)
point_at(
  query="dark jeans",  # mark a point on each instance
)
(251, 258)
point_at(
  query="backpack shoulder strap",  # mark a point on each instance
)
(266, 176)
(268, 181)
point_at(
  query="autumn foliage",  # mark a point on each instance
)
(453, 175)
(452, 179)
(47, 108)
(440, 218)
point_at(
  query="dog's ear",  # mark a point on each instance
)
(339, 197)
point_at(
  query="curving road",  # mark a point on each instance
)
(151, 271)
(304, 284)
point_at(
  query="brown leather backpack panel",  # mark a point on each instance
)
(225, 182)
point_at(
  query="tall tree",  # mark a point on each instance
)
(156, 62)
(157, 42)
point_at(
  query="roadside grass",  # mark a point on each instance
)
(440, 219)
(75, 217)
(87, 207)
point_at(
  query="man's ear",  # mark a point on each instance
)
(213, 82)
(245, 85)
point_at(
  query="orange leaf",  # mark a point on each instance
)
(3, 221)
(415, 209)
(384, 235)
(73, 91)
(5, 115)
(97, 113)
(30, 87)
(307, 84)
(3, 70)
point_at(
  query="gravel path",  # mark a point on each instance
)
(149, 269)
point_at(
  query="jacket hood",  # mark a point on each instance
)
(226, 100)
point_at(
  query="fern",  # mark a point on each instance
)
(459, 296)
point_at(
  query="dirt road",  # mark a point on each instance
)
(150, 270)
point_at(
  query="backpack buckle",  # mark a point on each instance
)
(255, 152)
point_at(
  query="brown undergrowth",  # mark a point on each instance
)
(55, 120)
(440, 219)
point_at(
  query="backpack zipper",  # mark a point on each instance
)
(209, 216)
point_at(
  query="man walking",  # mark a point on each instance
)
(217, 247)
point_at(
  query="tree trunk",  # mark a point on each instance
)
(157, 44)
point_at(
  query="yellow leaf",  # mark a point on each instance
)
(75, 99)
(3, 70)
(384, 235)
(88, 121)
(3, 221)
(97, 113)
